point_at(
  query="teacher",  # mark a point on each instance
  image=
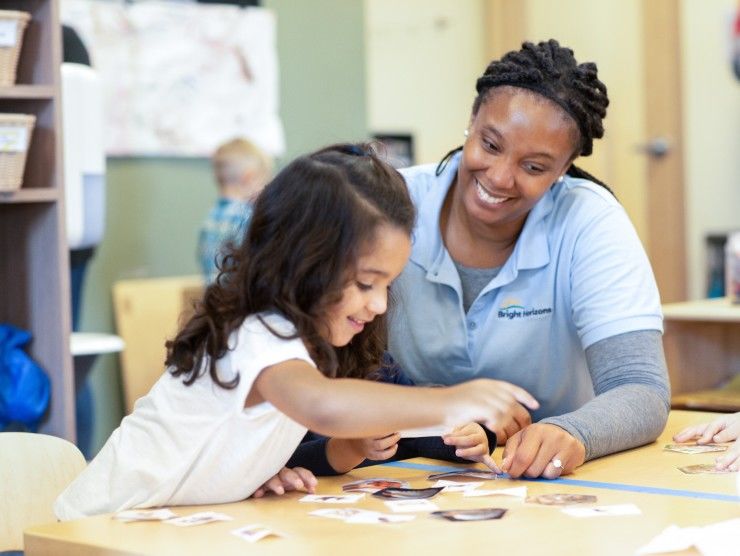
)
(526, 269)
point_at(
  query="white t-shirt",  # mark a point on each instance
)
(195, 444)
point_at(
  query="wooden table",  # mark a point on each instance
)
(647, 477)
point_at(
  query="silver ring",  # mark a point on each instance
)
(556, 463)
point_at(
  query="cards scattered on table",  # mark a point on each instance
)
(254, 532)
(373, 485)
(200, 518)
(699, 468)
(616, 509)
(333, 498)
(518, 492)
(462, 474)
(694, 448)
(561, 499)
(424, 431)
(408, 493)
(476, 514)
(455, 486)
(412, 505)
(158, 514)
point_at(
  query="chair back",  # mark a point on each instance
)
(148, 312)
(34, 470)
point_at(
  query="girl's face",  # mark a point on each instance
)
(367, 295)
(518, 144)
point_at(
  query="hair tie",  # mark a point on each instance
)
(355, 150)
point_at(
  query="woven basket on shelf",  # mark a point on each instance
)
(9, 53)
(15, 138)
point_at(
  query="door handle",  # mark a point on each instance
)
(657, 147)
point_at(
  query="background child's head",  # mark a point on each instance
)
(315, 222)
(241, 169)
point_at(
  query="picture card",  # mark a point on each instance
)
(408, 493)
(616, 509)
(462, 474)
(704, 468)
(254, 532)
(694, 448)
(373, 485)
(333, 498)
(200, 518)
(355, 515)
(412, 505)
(561, 499)
(475, 514)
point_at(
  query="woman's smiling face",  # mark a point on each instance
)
(519, 143)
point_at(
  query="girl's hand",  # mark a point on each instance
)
(722, 429)
(536, 450)
(471, 443)
(730, 460)
(288, 480)
(377, 449)
(486, 401)
(344, 454)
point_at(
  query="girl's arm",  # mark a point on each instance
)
(351, 408)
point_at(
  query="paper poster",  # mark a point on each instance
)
(181, 78)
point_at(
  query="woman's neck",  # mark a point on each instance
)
(472, 243)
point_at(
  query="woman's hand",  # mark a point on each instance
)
(536, 450)
(471, 443)
(288, 480)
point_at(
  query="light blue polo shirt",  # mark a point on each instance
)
(578, 274)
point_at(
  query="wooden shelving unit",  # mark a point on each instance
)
(34, 260)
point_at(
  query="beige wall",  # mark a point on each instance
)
(712, 129)
(423, 57)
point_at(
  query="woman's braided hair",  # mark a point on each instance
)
(552, 71)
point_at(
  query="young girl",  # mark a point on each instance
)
(722, 429)
(276, 348)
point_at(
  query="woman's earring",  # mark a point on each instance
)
(561, 178)
(465, 133)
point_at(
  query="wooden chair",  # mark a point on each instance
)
(148, 312)
(34, 470)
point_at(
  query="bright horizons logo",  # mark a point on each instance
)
(515, 311)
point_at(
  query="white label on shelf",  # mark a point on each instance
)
(13, 139)
(8, 32)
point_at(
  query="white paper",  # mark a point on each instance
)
(13, 139)
(422, 505)
(158, 514)
(711, 540)
(254, 532)
(439, 430)
(597, 511)
(455, 486)
(519, 492)
(8, 32)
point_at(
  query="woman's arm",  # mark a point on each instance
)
(632, 395)
(351, 408)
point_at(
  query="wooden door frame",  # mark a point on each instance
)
(666, 221)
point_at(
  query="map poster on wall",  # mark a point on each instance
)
(181, 78)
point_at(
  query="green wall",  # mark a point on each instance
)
(155, 205)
